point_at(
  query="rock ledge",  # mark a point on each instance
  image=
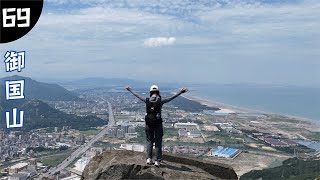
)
(124, 164)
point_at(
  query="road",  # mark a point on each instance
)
(82, 149)
(111, 121)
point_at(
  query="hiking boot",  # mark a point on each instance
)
(149, 161)
(157, 163)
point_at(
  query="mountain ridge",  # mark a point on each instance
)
(38, 114)
(40, 90)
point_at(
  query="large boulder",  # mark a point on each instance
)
(124, 164)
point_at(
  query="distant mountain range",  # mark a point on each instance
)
(38, 114)
(41, 91)
(100, 82)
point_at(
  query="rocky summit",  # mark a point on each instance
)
(124, 164)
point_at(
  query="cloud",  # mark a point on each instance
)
(229, 40)
(159, 41)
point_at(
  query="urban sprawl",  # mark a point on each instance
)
(244, 140)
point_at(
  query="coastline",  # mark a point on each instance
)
(220, 105)
(241, 110)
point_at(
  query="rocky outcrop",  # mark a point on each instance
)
(124, 164)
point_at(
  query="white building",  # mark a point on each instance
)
(190, 130)
(183, 133)
(132, 147)
(18, 176)
(81, 163)
(194, 134)
(131, 135)
(186, 126)
(59, 144)
(18, 167)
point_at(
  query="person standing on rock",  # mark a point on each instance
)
(153, 119)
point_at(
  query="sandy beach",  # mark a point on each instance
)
(226, 108)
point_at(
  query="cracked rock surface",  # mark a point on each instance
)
(124, 164)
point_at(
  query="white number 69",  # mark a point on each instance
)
(12, 18)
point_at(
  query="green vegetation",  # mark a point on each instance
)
(42, 91)
(284, 120)
(41, 115)
(102, 144)
(291, 128)
(189, 105)
(180, 143)
(54, 160)
(170, 132)
(44, 149)
(71, 165)
(293, 168)
(313, 136)
(38, 149)
(225, 137)
(90, 131)
(289, 150)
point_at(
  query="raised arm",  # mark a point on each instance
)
(136, 94)
(165, 100)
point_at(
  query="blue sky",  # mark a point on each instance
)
(220, 41)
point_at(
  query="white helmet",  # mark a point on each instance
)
(154, 88)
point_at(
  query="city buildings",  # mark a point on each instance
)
(112, 131)
(122, 131)
(18, 167)
(187, 126)
(190, 130)
(191, 150)
(131, 135)
(131, 129)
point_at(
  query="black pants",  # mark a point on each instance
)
(154, 135)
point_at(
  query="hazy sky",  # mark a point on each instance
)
(232, 41)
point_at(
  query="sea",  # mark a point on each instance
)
(288, 100)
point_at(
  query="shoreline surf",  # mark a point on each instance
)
(241, 110)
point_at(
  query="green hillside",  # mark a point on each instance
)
(41, 91)
(40, 115)
(293, 168)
